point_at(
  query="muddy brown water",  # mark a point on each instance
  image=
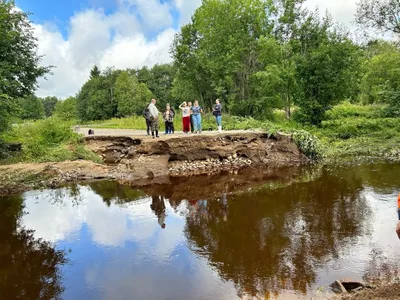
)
(284, 234)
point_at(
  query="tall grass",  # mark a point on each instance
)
(49, 140)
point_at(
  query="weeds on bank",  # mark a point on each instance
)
(49, 140)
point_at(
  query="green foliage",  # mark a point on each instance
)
(48, 140)
(158, 80)
(49, 105)
(19, 62)
(348, 110)
(66, 110)
(95, 72)
(382, 74)
(95, 100)
(309, 144)
(392, 98)
(30, 108)
(131, 96)
(327, 71)
(216, 53)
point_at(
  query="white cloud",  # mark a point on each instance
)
(342, 11)
(121, 39)
(136, 51)
(116, 39)
(186, 9)
(154, 14)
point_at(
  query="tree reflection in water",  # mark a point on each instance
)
(274, 240)
(29, 267)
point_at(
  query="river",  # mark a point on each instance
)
(283, 234)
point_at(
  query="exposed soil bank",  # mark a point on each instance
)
(141, 161)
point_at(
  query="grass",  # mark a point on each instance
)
(359, 131)
(49, 140)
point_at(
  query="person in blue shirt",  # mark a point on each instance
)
(196, 115)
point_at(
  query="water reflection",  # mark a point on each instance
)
(269, 241)
(256, 234)
(29, 267)
(158, 207)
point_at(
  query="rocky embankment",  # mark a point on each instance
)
(136, 159)
(143, 161)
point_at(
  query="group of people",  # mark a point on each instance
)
(191, 117)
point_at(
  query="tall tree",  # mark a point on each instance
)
(95, 72)
(327, 75)
(382, 15)
(218, 49)
(131, 96)
(19, 62)
(95, 100)
(276, 82)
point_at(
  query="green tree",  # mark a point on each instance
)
(382, 74)
(66, 110)
(327, 68)
(191, 79)
(95, 100)
(95, 72)
(125, 90)
(30, 108)
(19, 62)
(382, 15)
(49, 104)
(217, 51)
(276, 82)
(144, 75)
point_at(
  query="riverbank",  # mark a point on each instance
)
(140, 160)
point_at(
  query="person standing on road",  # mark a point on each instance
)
(147, 117)
(173, 111)
(196, 115)
(217, 112)
(154, 117)
(168, 117)
(191, 117)
(185, 117)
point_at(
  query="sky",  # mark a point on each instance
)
(75, 35)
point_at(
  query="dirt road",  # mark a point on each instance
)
(143, 134)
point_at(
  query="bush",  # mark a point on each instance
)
(48, 140)
(309, 144)
(348, 110)
(358, 127)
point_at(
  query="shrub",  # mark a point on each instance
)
(308, 144)
(48, 140)
(347, 110)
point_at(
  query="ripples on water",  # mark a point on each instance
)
(283, 234)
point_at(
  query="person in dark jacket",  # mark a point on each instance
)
(191, 117)
(146, 115)
(217, 112)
